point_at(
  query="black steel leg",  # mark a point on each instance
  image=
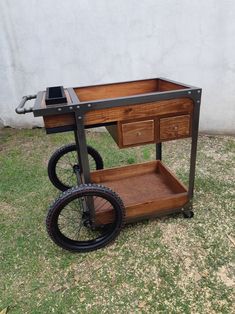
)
(159, 151)
(188, 208)
(80, 138)
(195, 123)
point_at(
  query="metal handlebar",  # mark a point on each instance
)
(20, 108)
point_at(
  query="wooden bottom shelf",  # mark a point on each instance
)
(147, 190)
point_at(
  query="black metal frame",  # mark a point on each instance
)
(21, 107)
(81, 108)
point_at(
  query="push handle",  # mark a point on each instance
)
(20, 109)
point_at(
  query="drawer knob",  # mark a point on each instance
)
(176, 128)
(138, 133)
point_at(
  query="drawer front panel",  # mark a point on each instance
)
(137, 132)
(174, 127)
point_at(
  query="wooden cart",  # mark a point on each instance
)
(135, 113)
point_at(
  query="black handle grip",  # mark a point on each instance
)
(20, 108)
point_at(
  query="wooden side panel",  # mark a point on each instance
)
(116, 90)
(146, 210)
(59, 120)
(113, 131)
(167, 86)
(146, 110)
(157, 206)
(175, 127)
(165, 107)
(137, 132)
(119, 173)
(171, 179)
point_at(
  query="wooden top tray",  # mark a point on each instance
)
(109, 103)
(126, 89)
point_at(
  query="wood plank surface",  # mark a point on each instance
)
(167, 86)
(164, 107)
(171, 179)
(125, 89)
(113, 131)
(59, 120)
(119, 173)
(153, 208)
(116, 90)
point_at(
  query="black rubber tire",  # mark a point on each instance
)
(62, 151)
(188, 214)
(111, 231)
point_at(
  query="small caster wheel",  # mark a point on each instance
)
(188, 214)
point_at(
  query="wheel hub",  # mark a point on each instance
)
(76, 168)
(86, 220)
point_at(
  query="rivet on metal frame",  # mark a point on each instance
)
(59, 109)
(198, 101)
(199, 91)
(70, 108)
(189, 92)
(78, 107)
(79, 117)
(89, 105)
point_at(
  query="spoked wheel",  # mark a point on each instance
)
(63, 165)
(69, 220)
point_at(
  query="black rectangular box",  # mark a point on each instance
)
(55, 95)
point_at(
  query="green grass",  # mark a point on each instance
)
(167, 265)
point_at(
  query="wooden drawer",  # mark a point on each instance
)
(133, 133)
(175, 127)
(153, 130)
(138, 132)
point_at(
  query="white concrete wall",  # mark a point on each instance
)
(80, 42)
